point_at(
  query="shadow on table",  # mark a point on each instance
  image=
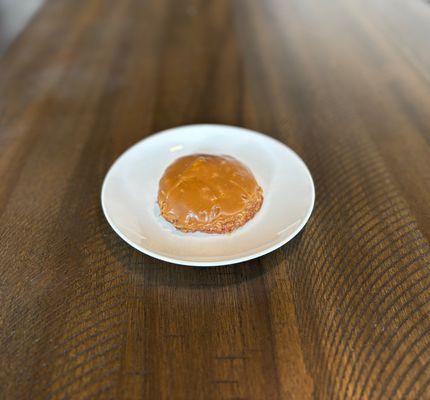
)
(152, 272)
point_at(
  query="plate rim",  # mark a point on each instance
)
(179, 261)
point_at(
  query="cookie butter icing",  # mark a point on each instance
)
(201, 189)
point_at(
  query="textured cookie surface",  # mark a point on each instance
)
(208, 193)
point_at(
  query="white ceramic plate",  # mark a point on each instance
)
(130, 188)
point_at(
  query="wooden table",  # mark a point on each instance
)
(342, 311)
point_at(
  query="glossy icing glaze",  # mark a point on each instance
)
(200, 189)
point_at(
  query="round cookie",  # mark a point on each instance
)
(208, 193)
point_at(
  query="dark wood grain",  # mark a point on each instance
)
(340, 312)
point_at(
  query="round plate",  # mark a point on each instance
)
(130, 189)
